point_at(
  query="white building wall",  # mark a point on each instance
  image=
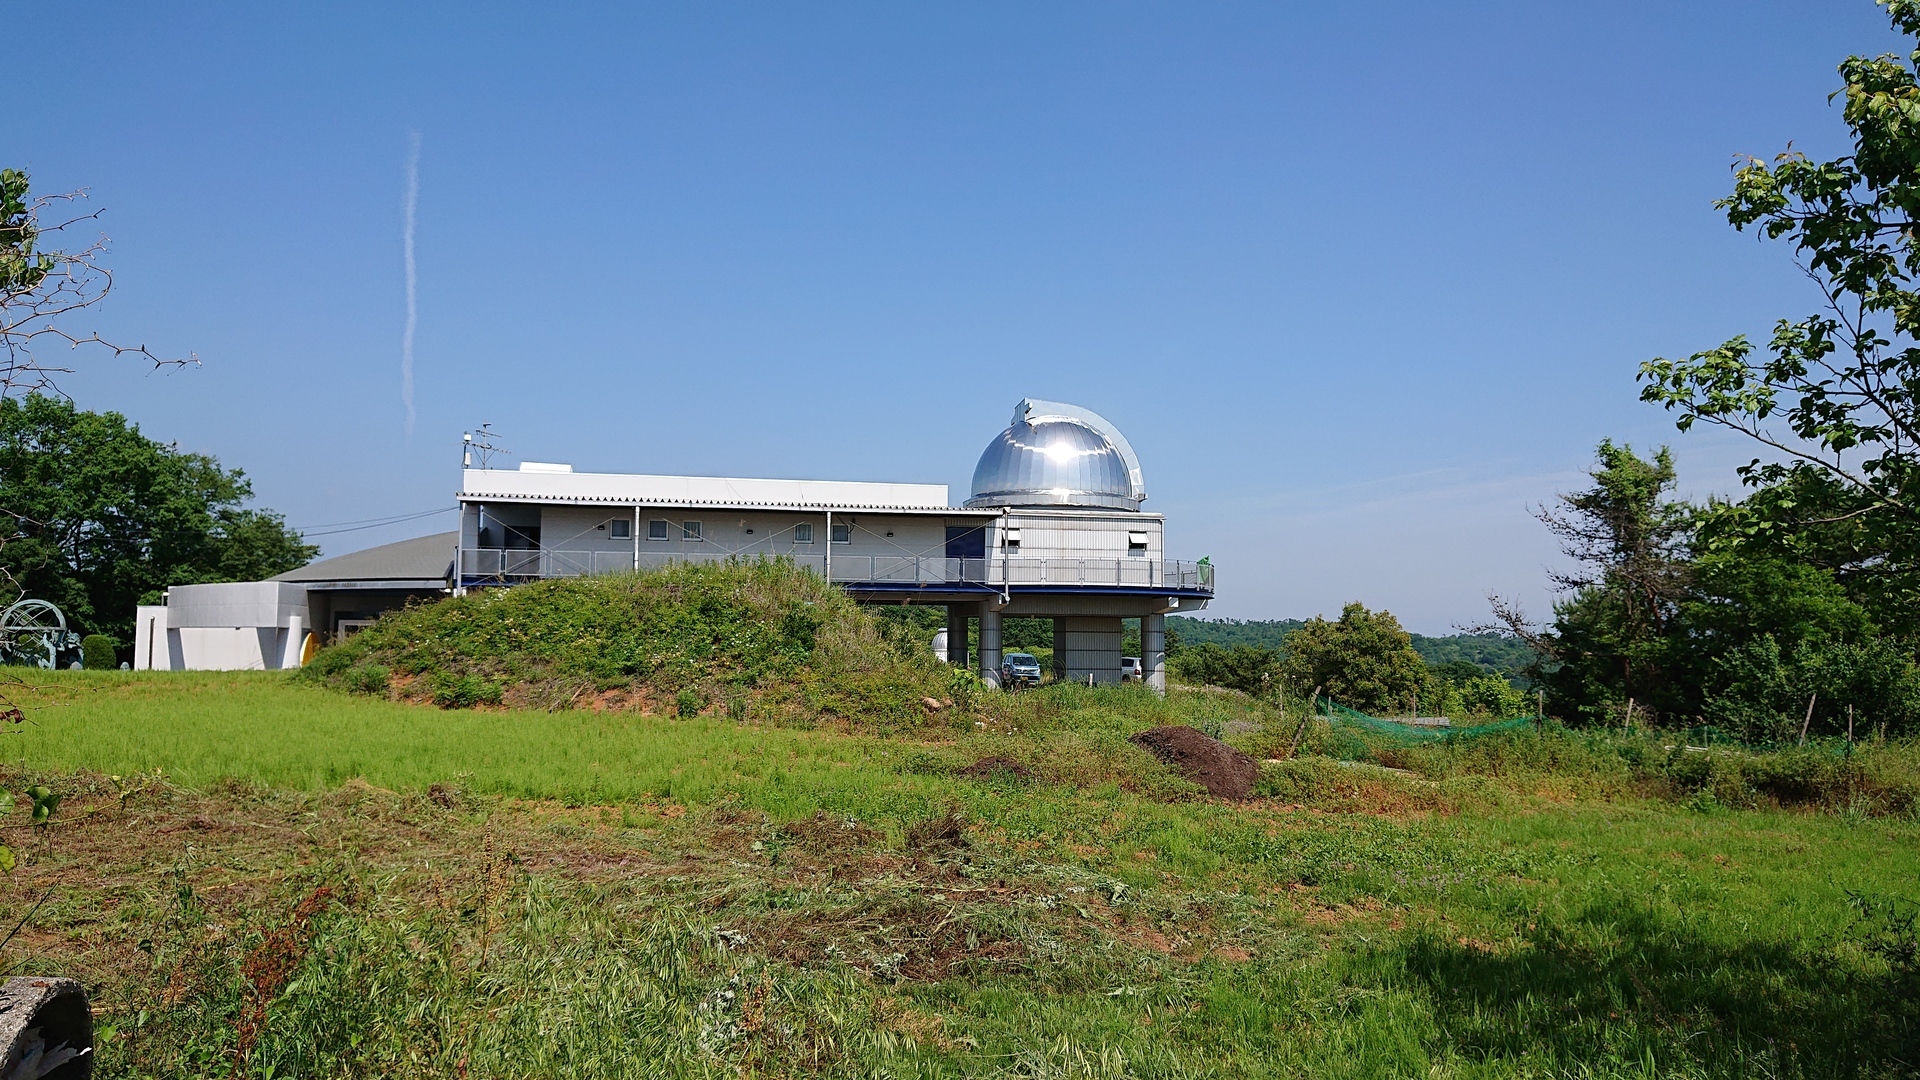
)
(151, 651)
(748, 533)
(230, 626)
(1082, 534)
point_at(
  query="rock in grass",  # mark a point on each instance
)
(1212, 764)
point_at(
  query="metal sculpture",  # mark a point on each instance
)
(34, 633)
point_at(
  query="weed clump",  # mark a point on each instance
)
(765, 637)
(944, 830)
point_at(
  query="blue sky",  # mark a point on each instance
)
(1361, 283)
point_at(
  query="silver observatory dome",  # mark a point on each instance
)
(1058, 455)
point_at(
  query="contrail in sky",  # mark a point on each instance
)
(406, 342)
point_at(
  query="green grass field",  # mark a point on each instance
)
(517, 893)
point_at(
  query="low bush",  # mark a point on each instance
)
(463, 691)
(371, 679)
(96, 653)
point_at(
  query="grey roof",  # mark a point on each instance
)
(423, 558)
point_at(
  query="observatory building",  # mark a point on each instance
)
(1052, 528)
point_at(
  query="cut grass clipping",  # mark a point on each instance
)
(759, 638)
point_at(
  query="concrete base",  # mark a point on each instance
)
(990, 647)
(1153, 652)
(957, 645)
(1088, 648)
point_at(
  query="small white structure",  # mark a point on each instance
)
(264, 625)
(230, 626)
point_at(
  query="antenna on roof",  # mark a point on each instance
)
(481, 440)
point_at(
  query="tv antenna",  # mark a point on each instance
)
(482, 442)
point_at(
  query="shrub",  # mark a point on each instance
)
(689, 702)
(1362, 660)
(367, 679)
(464, 691)
(96, 653)
(1249, 669)
(1494, 696)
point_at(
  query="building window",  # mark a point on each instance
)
(1010, 539)
(690, 530)
(622, 529)
(1136, 543)
(803, 533)
(842, 534)
(656, 529)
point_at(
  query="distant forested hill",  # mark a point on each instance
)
(1494, 652)
(1231, 632)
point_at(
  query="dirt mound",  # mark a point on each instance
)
(1212, 764)
(996, 767)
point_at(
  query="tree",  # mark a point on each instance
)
(1612, 635)
(1843, 382)
(104, 517)
(1249, 669)
(1364, 660)
(39, 287)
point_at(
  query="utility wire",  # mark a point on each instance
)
(368, 523)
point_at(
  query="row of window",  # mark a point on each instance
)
(662, 529)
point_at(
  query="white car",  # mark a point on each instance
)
(1130, 669)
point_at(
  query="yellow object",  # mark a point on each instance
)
(307, 648)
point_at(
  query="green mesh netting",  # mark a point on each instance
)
(1358, 723)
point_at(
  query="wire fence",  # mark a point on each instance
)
(1400, 733)
(1365, 731)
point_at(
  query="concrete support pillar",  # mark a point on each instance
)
(957, 633)
(296, 637)
(1059, 649)
(1091, 649)
(990, 647)
(1153, 652)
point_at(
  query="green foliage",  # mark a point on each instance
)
(22, 269)
(1761, 691)
(688, 702)
(1250, 669)
(1261, 633)
(1495, 697)
(108, 517)
(1843, 382)
(453, 691)
(370, 679)
(1490, 651)
(1363, 660)
(96, 653)
(1610, 637)
(763, 631)
(1487, 651)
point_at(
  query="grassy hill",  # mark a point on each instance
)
(755, 639)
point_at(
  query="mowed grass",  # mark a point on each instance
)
(619, 895)
(202, 727)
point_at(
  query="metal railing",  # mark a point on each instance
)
(479, 565)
